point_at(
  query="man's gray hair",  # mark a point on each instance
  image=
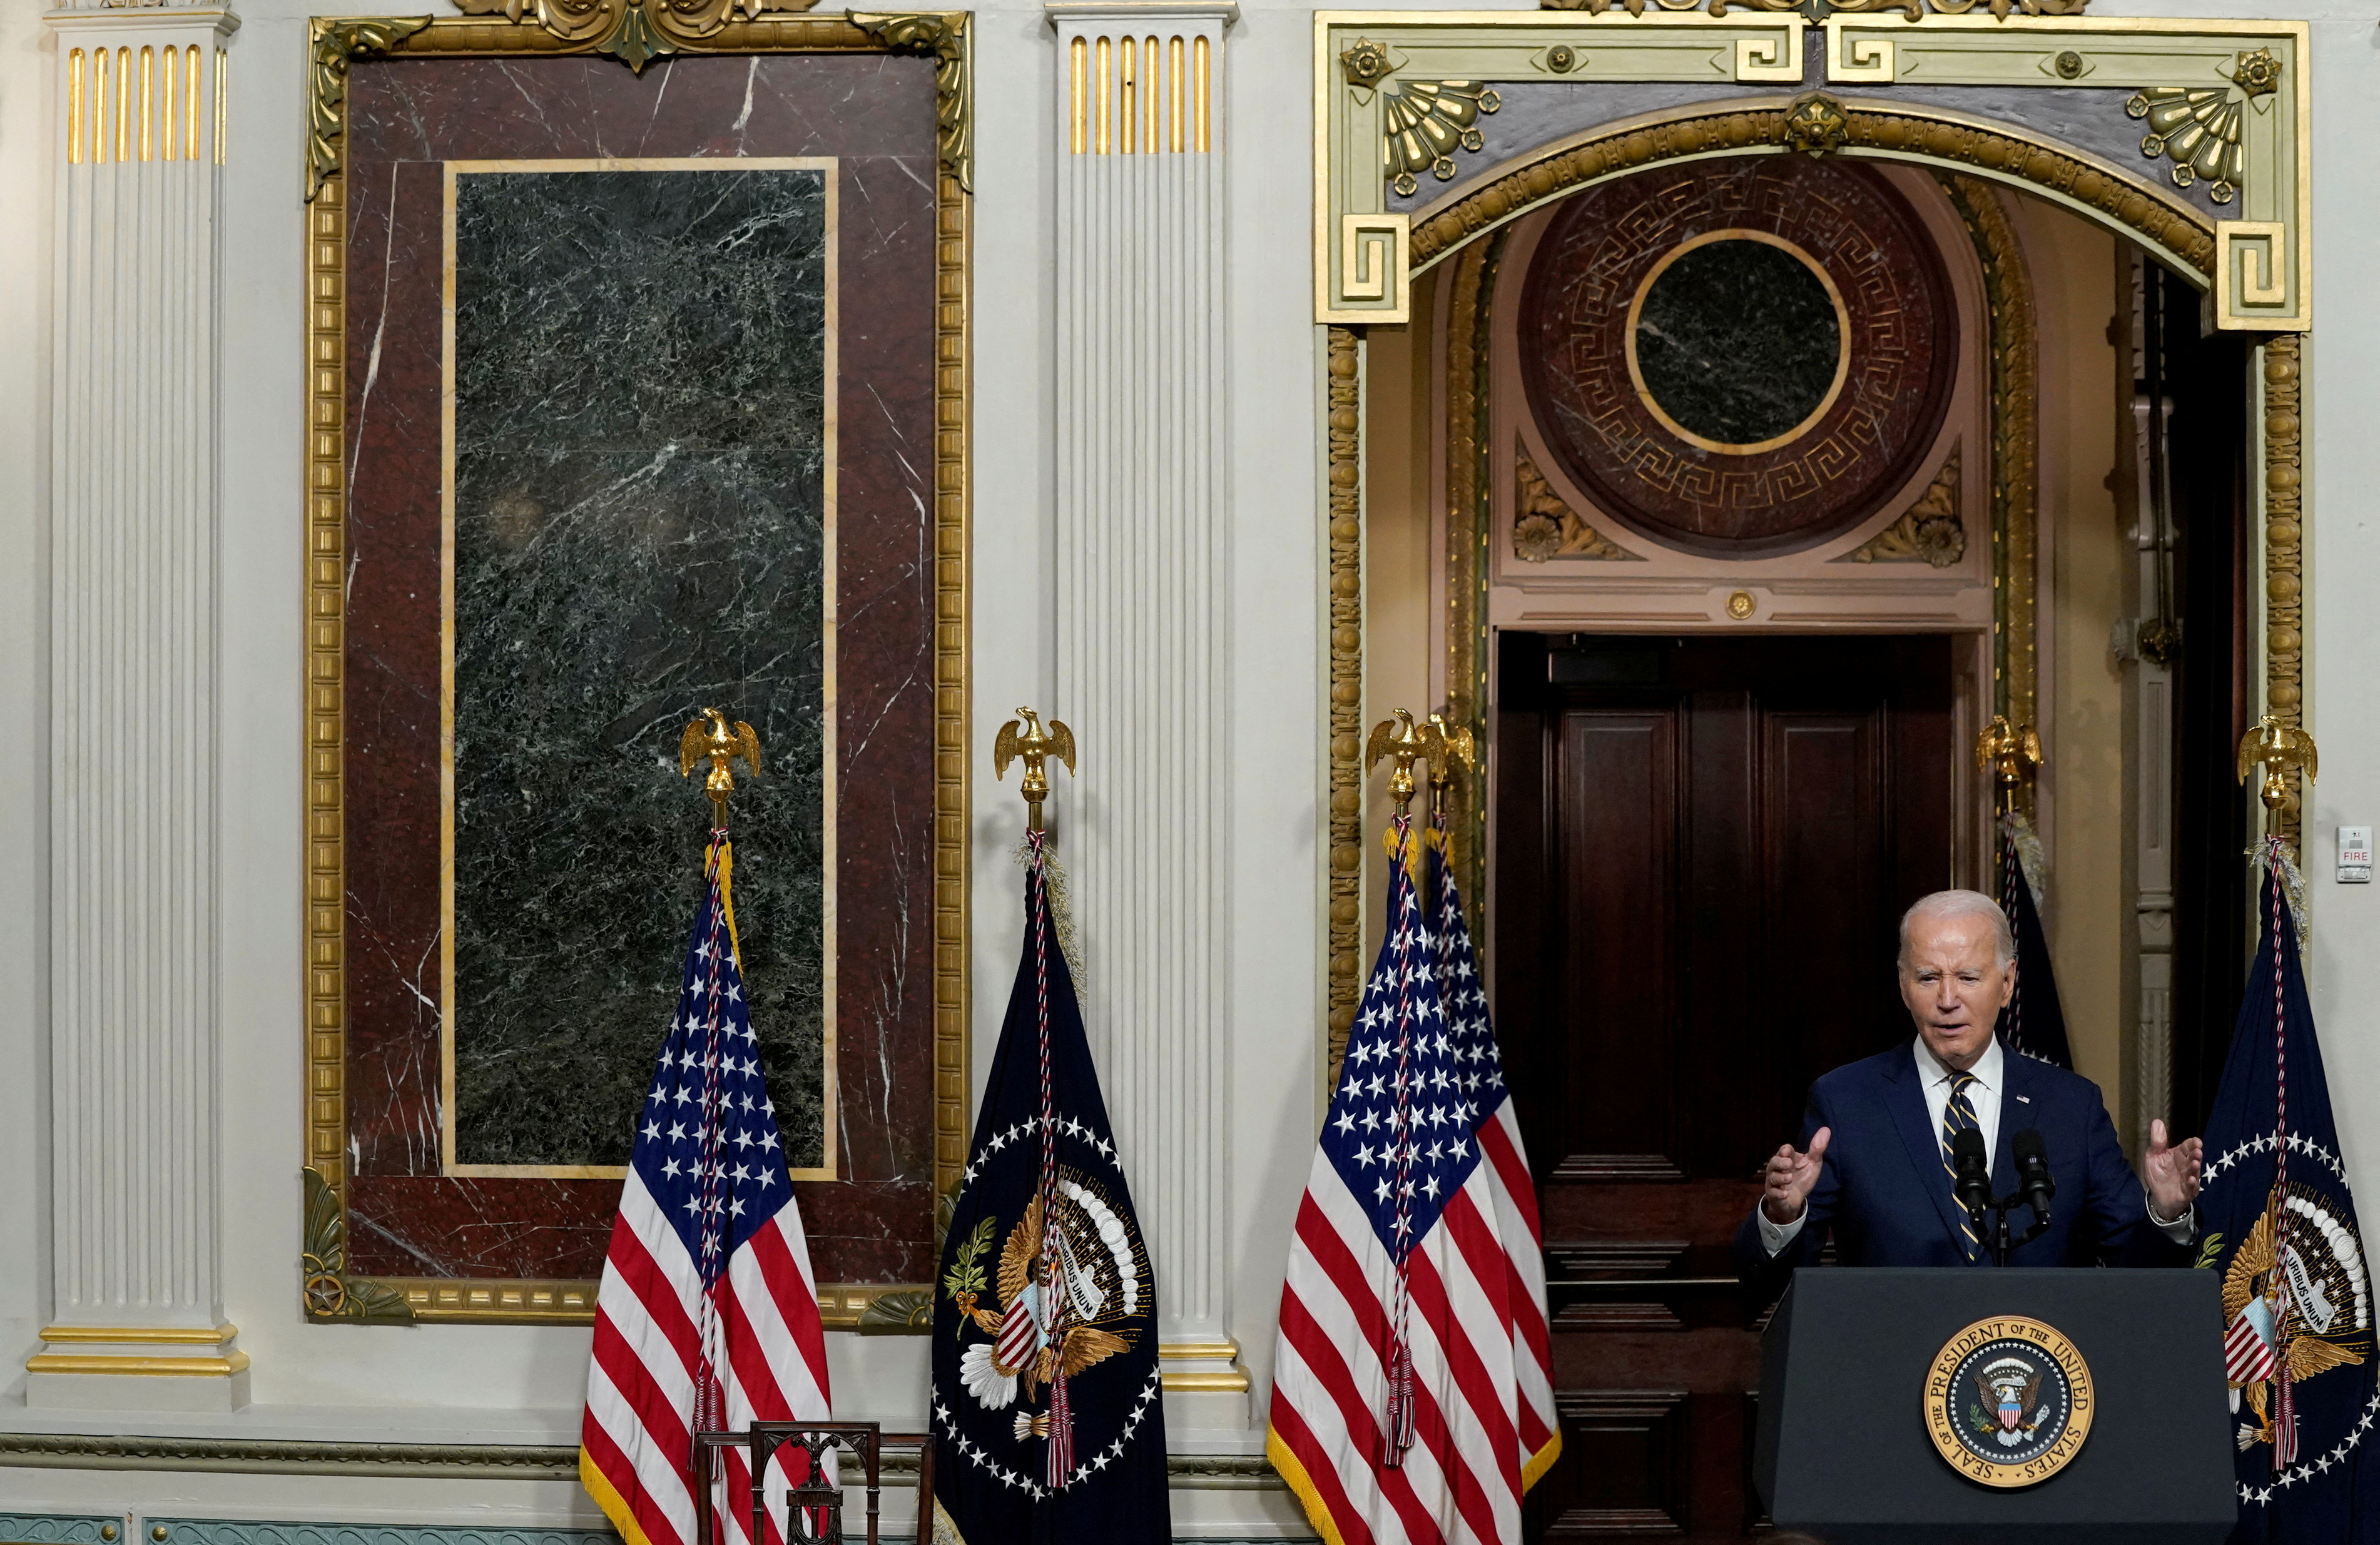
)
(1946, 904)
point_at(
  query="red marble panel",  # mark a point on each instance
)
(405, 118)
(1837, 469)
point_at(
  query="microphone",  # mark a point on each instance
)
(1971, 1174)
(2032, 1174)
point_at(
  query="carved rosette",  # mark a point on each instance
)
(1927, 531)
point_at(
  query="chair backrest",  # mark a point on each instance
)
(814, 1508)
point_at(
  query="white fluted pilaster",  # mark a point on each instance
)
(137, 1312)
(1141, 629)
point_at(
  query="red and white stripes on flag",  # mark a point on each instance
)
(1420, 1166)
(707, 1318)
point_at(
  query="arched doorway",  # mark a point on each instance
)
(1657, 1396)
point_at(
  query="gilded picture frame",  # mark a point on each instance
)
(634, 32)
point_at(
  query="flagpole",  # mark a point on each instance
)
(2280, 749)
(1035, 746)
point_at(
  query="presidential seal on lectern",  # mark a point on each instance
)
(2007, 1402)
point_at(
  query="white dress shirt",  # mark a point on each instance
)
(1983, 1097)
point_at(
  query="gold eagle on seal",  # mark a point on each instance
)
(2254, 1285)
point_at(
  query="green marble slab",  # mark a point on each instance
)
(641, 530)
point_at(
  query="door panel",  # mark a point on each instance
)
(1702, 848)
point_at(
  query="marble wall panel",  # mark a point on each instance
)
(407, 118)
(640, 531)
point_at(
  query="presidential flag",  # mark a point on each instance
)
(2277, 1220)
(1412, 1400)
(1047, 1425)
(2032, 1021)
(706, 1319)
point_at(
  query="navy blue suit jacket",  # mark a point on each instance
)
(1884, 1195)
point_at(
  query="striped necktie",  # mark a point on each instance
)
(1959, 1115)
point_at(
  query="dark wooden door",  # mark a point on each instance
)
(1703, 849)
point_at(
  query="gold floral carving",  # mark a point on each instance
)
(1346, 515)
(1900, 130)
(945, 36)
(1545, 526)
(330, 1293)
(1927, 531)
(2283, 553)
(2198, 128)
(2008, 294)
(1425, 122)
(635, 31)
(1365, 62)
(336, 43)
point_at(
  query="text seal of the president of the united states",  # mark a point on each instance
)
(2008, 1401)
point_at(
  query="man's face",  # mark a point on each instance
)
(1954, 986)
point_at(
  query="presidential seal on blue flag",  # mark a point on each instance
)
(1048, 1424)
(2277, 1220)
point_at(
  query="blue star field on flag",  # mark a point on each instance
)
(1421, 1066)
(707, 1144)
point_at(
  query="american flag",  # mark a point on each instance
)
(706, 1319)
(1412, 1398)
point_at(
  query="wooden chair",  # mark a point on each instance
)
(813, 1508)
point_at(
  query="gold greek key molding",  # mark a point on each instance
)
(1927, 531)
(330, 1293)
(2284, 414)
(2015, 385)
(1544, 525)
(1868, 125)
(1345, 410)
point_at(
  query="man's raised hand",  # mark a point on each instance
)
(1790, 1176)
(2171, 1172)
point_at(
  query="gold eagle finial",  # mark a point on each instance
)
(1408, 743)
(719, 741)
(1035, 747)
(2011, 752)
(2279, 747)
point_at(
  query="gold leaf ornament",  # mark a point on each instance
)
(2198, 129)
(1425, 122)
(1816, 125)
(330, 1293)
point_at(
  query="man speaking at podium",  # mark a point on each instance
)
(1881, 1144)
